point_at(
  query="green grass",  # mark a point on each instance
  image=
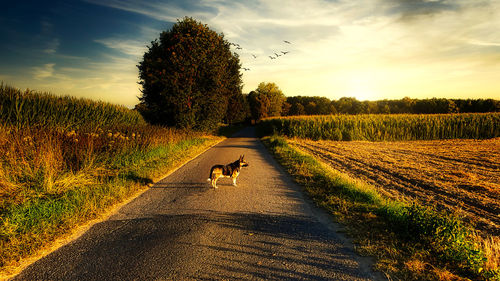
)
(410, 242)
(395, 127)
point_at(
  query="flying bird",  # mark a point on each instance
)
(284, 53)
(254, 56)
(271, 57)
(246, 69)
(238, 48)
(277, 55)
(286, 42)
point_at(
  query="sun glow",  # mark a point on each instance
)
(362, 88)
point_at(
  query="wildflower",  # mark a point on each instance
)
(133, 135)
(110, 134)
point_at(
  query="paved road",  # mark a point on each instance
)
(181, 229)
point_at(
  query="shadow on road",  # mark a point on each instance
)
(233, 246)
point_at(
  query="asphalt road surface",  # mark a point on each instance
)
(181, 229)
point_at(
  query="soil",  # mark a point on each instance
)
(462, 176)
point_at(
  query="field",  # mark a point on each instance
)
(461, 176)
(385, 127)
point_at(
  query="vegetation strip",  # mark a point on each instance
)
(31, 226)
(411, 242)
(394, 127)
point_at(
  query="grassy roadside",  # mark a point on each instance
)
(27, 226)
(410, 242)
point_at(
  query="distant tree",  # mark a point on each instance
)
(371, 107)
(311, 108)
(322, 105)
(238, 109)
(259, 105)
(348, 105)
(285, 108)
(332, 109)
(274, 95)
(407, 105)
(297, 109)
(188, 76)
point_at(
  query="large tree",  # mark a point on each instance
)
(188, 76)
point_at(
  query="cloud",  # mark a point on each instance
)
(161, 10)
(409, 9)
(46, 71)
(126, 46)
(52, 46)
(484, 43)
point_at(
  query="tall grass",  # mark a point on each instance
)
(398, 127)
(29, 108)
(64, 161)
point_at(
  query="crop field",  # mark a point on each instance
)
(461, 176)
(386, 127)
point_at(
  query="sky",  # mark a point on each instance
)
(367, 49)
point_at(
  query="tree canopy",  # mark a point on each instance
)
(274, 95)
(188, 77)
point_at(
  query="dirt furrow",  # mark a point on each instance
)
(445, 174)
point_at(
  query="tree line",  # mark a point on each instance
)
(268, 101)
(303, 105)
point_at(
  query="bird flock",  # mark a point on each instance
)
(272, 56)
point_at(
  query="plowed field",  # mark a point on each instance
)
(459, 175)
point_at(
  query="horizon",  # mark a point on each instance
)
(370, 49)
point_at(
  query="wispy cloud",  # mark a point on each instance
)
(51, 47)
(126, 46)
(162, 10)
(45, 71)
(409, 9)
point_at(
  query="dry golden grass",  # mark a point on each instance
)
(40, 162)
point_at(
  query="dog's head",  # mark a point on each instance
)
(242, 161)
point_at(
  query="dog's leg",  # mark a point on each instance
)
(234, 181)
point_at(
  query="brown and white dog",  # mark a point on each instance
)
(231, 170)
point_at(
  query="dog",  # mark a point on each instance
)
(231, 170)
